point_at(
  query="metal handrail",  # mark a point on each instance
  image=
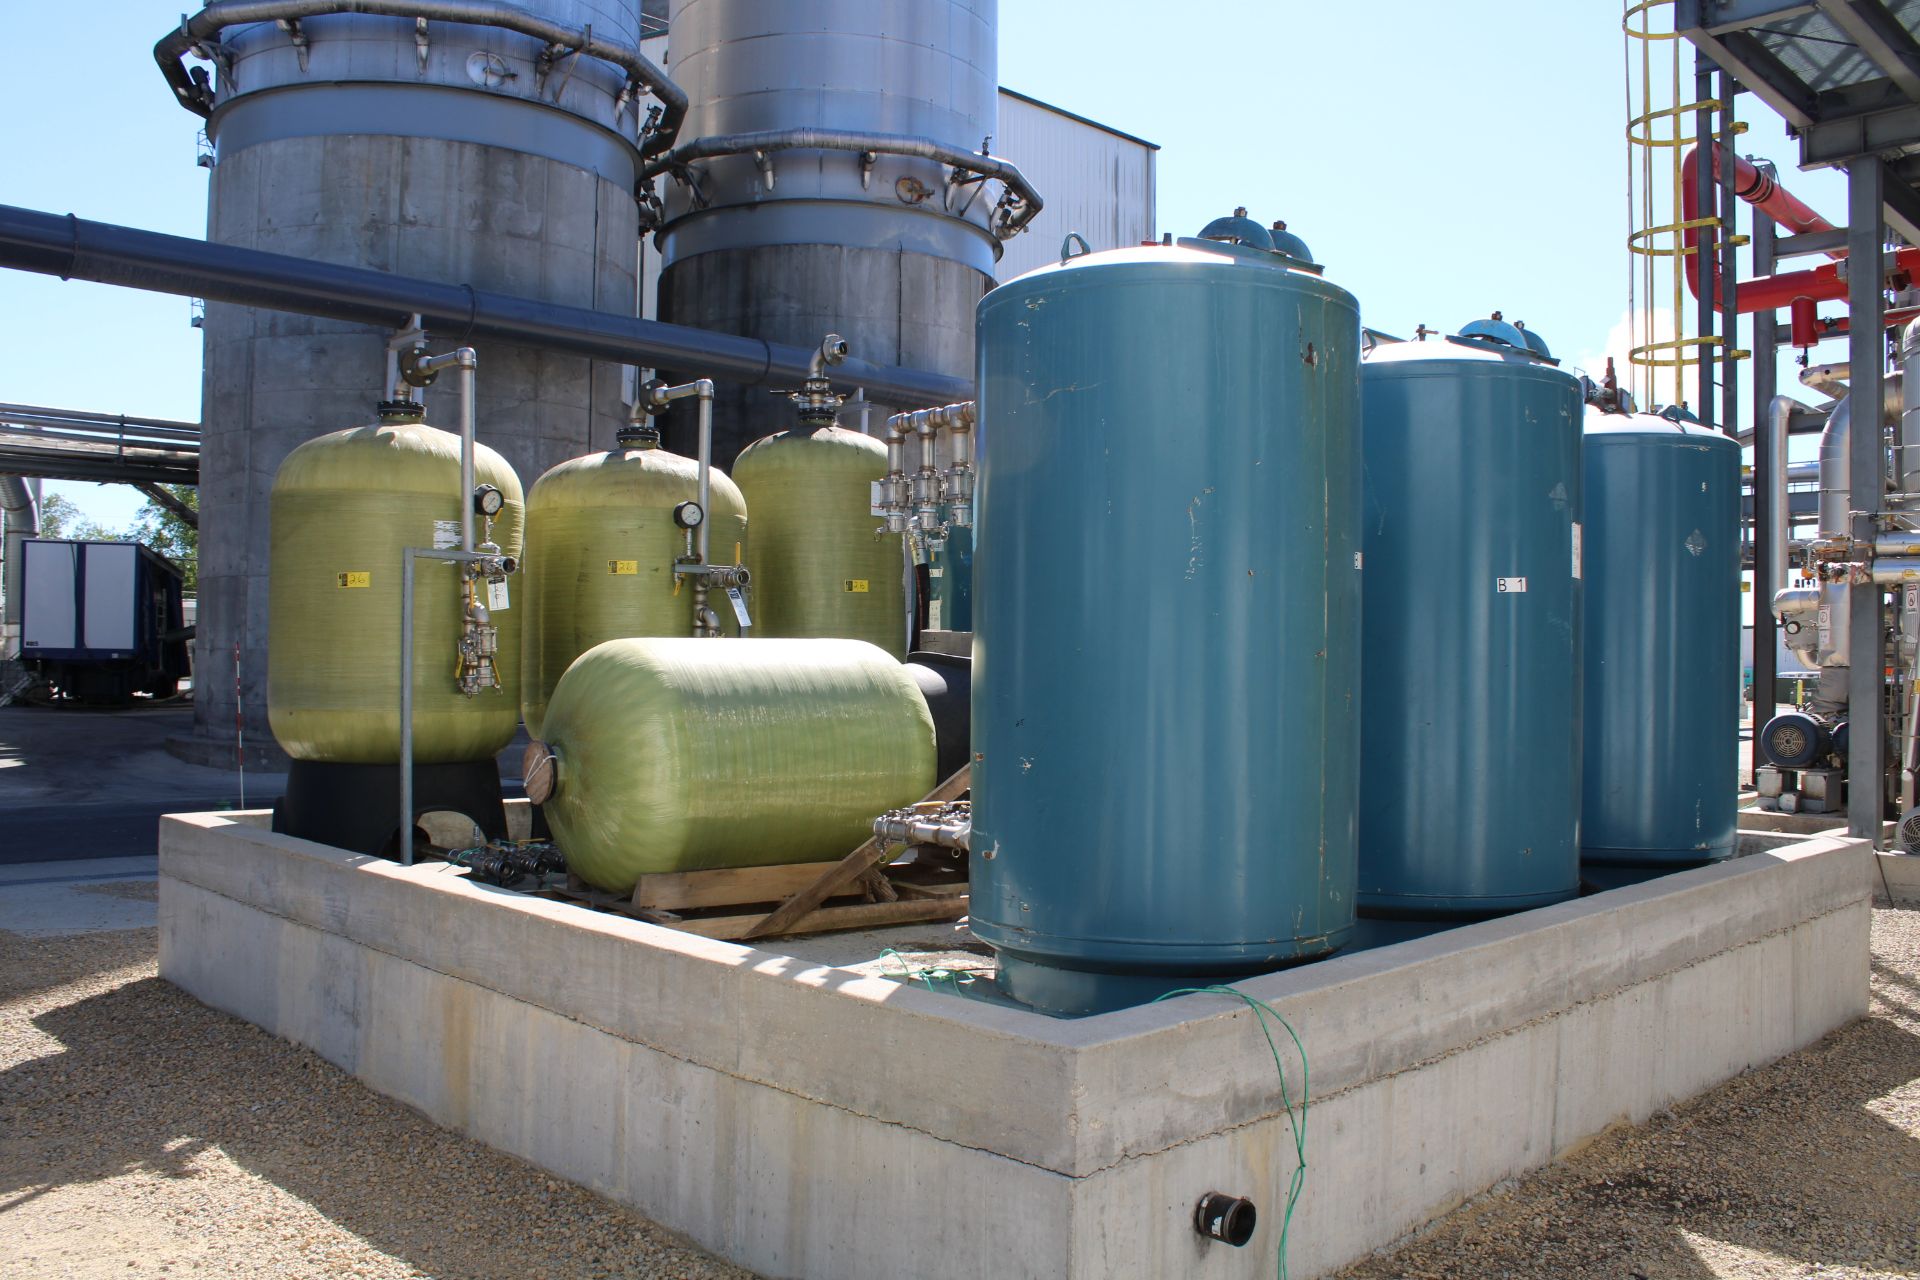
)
(1019, 205)
(203, 30)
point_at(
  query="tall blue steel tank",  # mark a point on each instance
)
(1470, 737)
(1166, 622)
(1663, 641)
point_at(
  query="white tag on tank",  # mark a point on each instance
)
(1510, 586)
(739, 603)
(497, 595)
(1576, 550)
(446, 534)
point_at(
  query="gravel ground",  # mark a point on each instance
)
(143, 1134)
(1809, 1167)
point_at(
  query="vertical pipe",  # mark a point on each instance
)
(1866, 306)
(702, 541)
(467, 362)
(1707, 246)
(1769, 493)
(406, 706)
(1729, 265)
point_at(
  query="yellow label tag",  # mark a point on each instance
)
(857, 584)
(1746, 586)
(623, 566)
(361, 579)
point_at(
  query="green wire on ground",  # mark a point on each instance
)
(927, 976)
(1262, 1010)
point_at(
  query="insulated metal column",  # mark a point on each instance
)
(1866, 307)
(1766, 554)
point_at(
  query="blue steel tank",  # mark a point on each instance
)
(1470, 735)
(1663, 641)
(1166, 621)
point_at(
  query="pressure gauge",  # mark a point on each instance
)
(688, 515)
(488, 501)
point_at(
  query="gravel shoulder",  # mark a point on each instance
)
(1808, 1167)
(142, 1133)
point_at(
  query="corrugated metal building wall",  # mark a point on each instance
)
(1096, 181)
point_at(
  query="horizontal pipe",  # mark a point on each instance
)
(77, 249)
(30, 415)
(207, 26)
(1769, 293)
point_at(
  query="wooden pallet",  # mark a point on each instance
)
(860, 891)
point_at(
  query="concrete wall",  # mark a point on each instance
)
(451, 211)
(809, 1121)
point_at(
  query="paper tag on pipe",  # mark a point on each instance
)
(446, 535)
(497, 594)
(739, 606)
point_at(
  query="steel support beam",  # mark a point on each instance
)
(1715, 30)
(1766, 378)
(1866, 303)
(1879, 35)
(1707, 241)
(1722, 16)
(76, 249)
(1808, 244)
(1838, 139)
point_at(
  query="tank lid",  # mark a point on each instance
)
(1494, 339)
(1238, 229)
(401, 411)
(1673, 421)
(1284, 241)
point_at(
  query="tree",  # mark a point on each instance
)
(170, 533)
(59, 518)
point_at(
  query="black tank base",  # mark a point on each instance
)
(353, 806)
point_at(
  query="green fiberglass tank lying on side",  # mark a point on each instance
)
(678, 754)
(601, 547)
(1470, 740)
(1663, 640)
(345, 507)
(1166, 621)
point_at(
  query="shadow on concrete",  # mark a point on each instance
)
(1788, 1160)
(147, 1080)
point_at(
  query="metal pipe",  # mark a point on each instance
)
(20, 511)
(466, 361)
(705, 623)
(205, 28)
(1779, 414)
(1907, 449)
(1836, 470)
(77, 249)
(1896, 568)
(926, 483)
(1026, 199)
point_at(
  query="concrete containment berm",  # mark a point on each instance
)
(809, 1121)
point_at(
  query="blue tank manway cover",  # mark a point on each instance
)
(1496, 329)
(1238, 229)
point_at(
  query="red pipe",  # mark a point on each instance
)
(1768, 293)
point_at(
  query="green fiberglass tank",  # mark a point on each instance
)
(1663, 641)
(344, 508)
(819, 566)
(1166, 621)
(682, 754)
(601, 547)
(1470, 740)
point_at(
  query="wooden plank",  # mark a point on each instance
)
(725, 886)
(908, 889)
(841, 876)
(867, 915)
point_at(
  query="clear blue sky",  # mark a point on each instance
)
(1443, 160)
